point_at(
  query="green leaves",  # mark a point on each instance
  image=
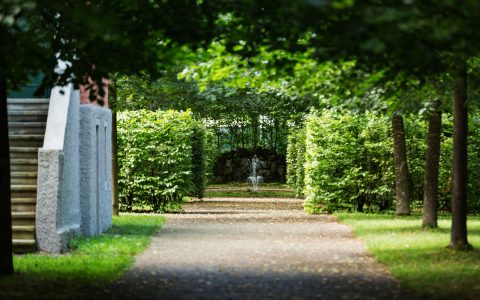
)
(157, 153)
(348, 161)
(296, 160)
(343, 161)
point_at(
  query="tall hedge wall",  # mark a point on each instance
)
(344, 161)
(296, 160)
(161, 158)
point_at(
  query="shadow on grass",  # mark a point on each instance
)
(408, 224)
(435, 272)
(247, 194)
(92, 263)
(419, 257)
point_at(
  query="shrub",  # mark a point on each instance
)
(198, 161)
(296, 160)
(349, 164)
(210, 153)
(156, 155)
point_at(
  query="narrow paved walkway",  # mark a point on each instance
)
(254, 249)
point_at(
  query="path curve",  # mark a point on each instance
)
(228, 248)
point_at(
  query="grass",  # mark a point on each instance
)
(419, 258)
(243, 190)
(92, 263)
(236, 185)
(250, 194)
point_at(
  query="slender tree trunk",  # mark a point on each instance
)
(6, 247)
(255, 124)
(231, 139)
(242, 128)
(234, 134)
(430, 193)
(275, 144)
(115, 167)
(460, 158)
(402, 192)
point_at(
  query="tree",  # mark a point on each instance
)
(432, 160)
(21, 55)
(6, 259)
(96, 39)
(402, 191)
(392, 35)
(458, 239)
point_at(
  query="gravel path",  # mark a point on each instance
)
(254, 249)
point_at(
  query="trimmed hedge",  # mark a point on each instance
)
(347, 163)
(198, 161)
(161, 159)
(296, 160)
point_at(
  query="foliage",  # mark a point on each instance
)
(240, 118)
(243, 190)
(247, 193)
(296, 160)
(417, 257)
(473, 163)
(198, 161)
(92, 263)
(209, 153)
(160, 158)
(349, 164)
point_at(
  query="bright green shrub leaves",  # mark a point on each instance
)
(160, 157)
(198, 161)
(296, 160)
(344, 169)
(343, 161)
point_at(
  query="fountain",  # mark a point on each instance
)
(254, 179)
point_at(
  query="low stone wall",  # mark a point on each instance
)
(237, 166)
(95, 169)
(58, 210)
(74, 195)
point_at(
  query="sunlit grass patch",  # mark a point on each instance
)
(249, 194)
(244, 190)
(419, 257)
(92, 262)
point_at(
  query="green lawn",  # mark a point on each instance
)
(243, 190)
(249, 194)
(246, 185)
(90, 265)
(419, 258)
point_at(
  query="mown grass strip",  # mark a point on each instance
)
(248, 194)
(419, 257)
(92, 263)
(243, 190)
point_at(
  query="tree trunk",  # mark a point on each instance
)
(6, 247)
(458, 238)
(430, 193)
(231, 138)
(255, 132)
(402, 192)
(115, 167)
(275, 144)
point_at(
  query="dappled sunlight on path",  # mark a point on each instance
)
(254, 249)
